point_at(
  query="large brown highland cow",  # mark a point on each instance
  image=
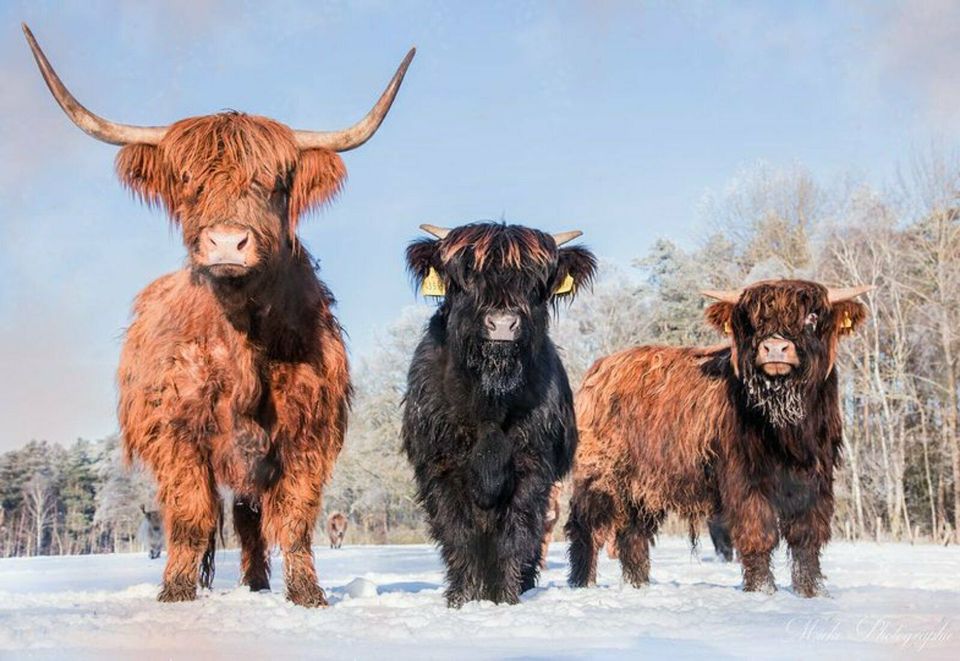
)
(750, 431)
(234, 371)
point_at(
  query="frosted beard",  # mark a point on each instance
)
(779, 399)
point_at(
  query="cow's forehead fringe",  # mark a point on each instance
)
(497, 244)
(783, 296)
(248, 146)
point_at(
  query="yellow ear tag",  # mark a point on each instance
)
(847, 322)
(566, 286)
(432, 284)
(727, 328)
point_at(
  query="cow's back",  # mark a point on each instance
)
(649, 418)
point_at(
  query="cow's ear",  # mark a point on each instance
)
(424, 264)
(318, 178)
(848, 315)
(576, 269)
(720, 316)
(141, 169)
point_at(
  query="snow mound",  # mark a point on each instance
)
(360, 588)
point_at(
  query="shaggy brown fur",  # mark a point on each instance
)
(550, 520)
(336, 529)
(237, 380)
(674, 429)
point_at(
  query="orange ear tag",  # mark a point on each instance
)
(432, 284)
(566, 286)
(727, 328)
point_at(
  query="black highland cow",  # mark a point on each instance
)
(488, 420)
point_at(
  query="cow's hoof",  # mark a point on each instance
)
(763, 585)
(258, 584)
(810, 590)
(177, 591)
(308, 596)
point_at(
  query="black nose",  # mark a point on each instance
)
(502, 326)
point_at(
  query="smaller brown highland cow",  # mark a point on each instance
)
(749, 432)
(336, 529)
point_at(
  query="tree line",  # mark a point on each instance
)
(900, 477)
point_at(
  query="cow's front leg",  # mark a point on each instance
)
(522, 529)
(191, 509)
(592, 516)
(806, 531)
(290, 510)
(754, 534)
(490, 473)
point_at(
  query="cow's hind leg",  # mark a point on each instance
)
(633, 545)
(591, 516)
(720, 536)
(254, 554)
(191, 509)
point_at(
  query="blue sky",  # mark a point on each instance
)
(614, 118)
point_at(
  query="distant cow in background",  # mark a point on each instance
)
(151, 531)
(550, 520)
(336, 529)
(751, 430)
(488, 417)
(234, 371)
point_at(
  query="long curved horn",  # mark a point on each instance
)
(725, 296)
(439, 232)
(566, 237)
(91, 124)
(363, 130)
(839, 294)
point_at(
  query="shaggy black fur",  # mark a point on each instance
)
(489, 426)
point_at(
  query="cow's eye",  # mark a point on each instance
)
(811, 320)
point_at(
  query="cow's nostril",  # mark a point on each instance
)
(243, 242)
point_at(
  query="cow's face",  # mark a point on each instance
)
(154, 521)
(235, 184)
(499, 282)
(784, 339)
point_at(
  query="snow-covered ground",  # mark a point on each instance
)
(887, 601)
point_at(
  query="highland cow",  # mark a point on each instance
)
(233, 371)
(751, 430)
(488, 421)
(336, 529)
(151, 532)
(550, 520)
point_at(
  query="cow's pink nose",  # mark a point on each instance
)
(227, 246)
(777, 350)
(502, 326)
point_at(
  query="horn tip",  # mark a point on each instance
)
(408, 58)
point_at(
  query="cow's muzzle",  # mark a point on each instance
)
(227, 250)
(501, 326)
(777, 356)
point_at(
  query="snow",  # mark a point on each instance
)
(889, 601)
